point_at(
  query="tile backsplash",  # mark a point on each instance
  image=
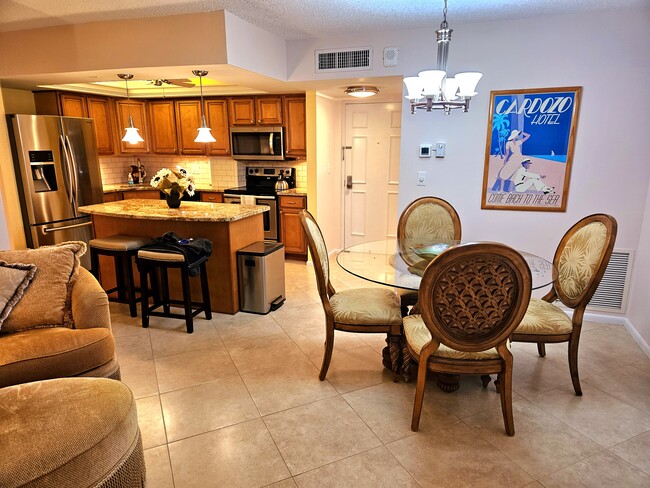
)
(219, 172)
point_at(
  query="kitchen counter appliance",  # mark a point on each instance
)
(260, 190)
(257, 143)
(57, 170)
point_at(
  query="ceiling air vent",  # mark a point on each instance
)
(611, 295)
(328, 60)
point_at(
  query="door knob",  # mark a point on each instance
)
(348, 182)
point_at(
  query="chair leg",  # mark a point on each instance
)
(419, 392)
(541, 349)
(327, 357)
(94, 263)
(130, 285)
(119, 277)
(485, 379)
(505, 392)
(144, 295)
(187, 298)
(164, 285)
(205, 292)
(573, 363)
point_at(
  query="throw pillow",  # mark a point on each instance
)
(14, 279)
(46, 303)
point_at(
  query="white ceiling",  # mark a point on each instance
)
(289, 19)
(296, 19)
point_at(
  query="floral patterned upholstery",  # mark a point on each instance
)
(321, 248)
(429, 223)
(417, 336)
(544, 318)
(580, 258)
(371, 306)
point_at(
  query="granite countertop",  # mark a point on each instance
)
(188, 211)
(148, 187)
(294, 191)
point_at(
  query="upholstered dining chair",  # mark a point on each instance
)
(471, 299)
(427, 220)
(580, 261)
(365, 310)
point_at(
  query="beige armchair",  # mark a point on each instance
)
(87, 349)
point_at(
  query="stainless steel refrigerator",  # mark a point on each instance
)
(57, 170)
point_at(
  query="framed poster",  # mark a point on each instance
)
(529, 148)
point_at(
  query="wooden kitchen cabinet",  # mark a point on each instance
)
(216, 113)
(212, 196)
(101, 110)
(188, 121)
(255, 111)
(144, 194)
(295, 130)
(113, 196)
(73, 105)
(163, 127)
(138, 111)
(60, 103)
(291, 232)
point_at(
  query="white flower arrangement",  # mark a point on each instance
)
(170, 181)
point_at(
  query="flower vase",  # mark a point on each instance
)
(173, 199)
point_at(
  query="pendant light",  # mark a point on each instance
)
(205, 133)
(132, 135)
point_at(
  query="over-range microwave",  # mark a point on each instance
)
(257, 143)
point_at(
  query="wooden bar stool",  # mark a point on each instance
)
(150, 263)
(122, 249)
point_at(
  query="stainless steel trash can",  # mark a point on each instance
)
(260, 268)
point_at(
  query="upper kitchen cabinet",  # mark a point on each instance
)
(255, 111)
(216, 113)
(58, 103)
(294, 118)
(163, 127)
(101, 110)
(138, 111)
(188, 121)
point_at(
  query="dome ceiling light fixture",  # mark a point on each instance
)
(362, 91)
(205, 133)
(433, 89)
(132, 136)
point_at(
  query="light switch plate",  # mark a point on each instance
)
(422, 178)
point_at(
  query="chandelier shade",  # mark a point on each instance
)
(433, 89)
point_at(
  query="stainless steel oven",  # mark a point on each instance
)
(270, 218)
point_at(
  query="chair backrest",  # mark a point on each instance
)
(318, 251)
(473, 296)
(581, 258)
(427, 220)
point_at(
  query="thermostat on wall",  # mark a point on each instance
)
(425, 150)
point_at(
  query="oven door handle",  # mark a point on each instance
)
(265, 198)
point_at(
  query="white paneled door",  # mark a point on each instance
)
(371, 171)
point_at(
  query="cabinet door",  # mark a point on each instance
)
(212, 196)
(73, 105)
(242, 111)
(216, 113)
(112, 197)
(269, 110)
(142, 194)
(188, 121)
(293, 236)
(295, 133)
(101, 110)
(137, 110)
(163, 127)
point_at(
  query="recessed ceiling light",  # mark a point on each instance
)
(362, 91)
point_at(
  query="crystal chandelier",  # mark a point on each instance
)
(433, 89)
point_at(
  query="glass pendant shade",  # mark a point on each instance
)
(132, 135)
(467, 83)
(431, 80)
(451, 87)
(414, 87)
(205, 133)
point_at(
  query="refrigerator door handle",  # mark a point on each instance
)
(75, 175)
(66, 227)
(68, 186)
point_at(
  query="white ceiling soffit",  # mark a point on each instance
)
(297, 19)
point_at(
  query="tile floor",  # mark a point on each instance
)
(238, 404)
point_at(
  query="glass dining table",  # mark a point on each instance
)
(401, 265)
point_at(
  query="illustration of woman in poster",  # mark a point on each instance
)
(511, 162)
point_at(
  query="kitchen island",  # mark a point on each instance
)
(229, 227)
